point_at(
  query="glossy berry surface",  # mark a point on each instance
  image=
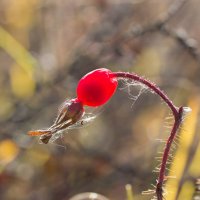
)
(96, 87)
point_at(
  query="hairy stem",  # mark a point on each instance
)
(177, 113)
(151, 86)
(159, 186)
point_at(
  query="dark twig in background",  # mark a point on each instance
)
(178, 35)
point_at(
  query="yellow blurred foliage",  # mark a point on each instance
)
(7, 107)
(179, 162)
(148, 59)
(129, 192)
(21, 74)
(8, 151)
(186, 191)
(37, 157)
(194, 169)
(22, 83)
(20, 55)
(20, 13)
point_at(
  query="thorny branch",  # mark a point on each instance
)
(178, 117)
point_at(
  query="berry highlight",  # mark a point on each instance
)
(97, 87)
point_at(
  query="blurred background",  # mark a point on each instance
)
(46, 46)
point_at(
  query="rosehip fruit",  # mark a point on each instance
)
(96, 87)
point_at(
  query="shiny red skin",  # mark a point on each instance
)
(96, 87)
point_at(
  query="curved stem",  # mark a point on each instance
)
(161, 178)
(177, 113)
(150, 85)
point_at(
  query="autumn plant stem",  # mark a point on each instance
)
(177, 113)
(95, 89)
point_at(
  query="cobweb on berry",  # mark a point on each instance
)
(133, 88)
(88, 117)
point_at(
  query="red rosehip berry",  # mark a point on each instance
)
(96, 87)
